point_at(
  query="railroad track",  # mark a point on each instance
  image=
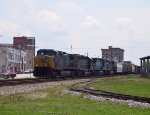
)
(95, 92)
(13, 82)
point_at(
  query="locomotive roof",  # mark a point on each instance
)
(98, 58)
(64, 53)
(46, 50)
(52, 50)
(79, 56)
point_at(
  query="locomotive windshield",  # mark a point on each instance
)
(46, 52)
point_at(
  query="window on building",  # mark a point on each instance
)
(119, 59)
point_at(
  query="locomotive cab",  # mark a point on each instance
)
(44, 64)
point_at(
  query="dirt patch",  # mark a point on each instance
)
(39, 95)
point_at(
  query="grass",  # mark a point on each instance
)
(132, 85)
(53, 102)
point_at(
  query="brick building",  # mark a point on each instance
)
(26, 44)
(114, 54)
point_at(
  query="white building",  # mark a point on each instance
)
(12, 60)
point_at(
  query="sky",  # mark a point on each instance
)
(80, 26)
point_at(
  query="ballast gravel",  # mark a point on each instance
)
(130, 103)
(10, 90)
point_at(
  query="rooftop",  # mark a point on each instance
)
(146, 57)
(6, 45)
(110, 47)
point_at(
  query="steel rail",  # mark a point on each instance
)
(98, 92)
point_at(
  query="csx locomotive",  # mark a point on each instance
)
(51, 64)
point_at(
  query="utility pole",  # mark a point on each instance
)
(71, 49)
(110, 48)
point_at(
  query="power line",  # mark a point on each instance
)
(93, 48)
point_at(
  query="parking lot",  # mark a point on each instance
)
(30, 75)
(20, 76)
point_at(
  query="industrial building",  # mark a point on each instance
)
(113, 54)
(26, 44)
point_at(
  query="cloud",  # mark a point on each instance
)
(123, 27)
(91, 23)
(47, 21)
(125, 20)
(32, 15)
(124, 23)
(135, 28)
(70, 6)
(12, 29)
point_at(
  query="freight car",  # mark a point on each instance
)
(122, 68)
(127, 69)
(135, 69)
(51, 64)
(119, 68)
